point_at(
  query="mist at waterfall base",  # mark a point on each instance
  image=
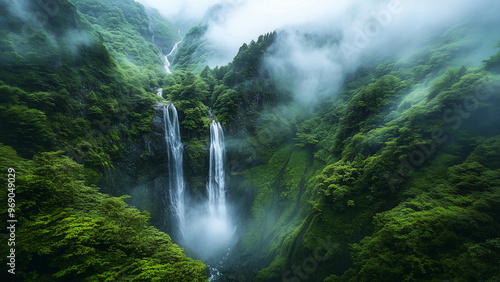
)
(210, 231)
(209, 236)
(204, 228)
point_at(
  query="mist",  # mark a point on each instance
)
(318, 45)
(33, 17)
(234, 22)
(364, 34)
(209, 237)
(359, 33)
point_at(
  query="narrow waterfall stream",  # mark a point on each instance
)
(176, 174)
(166, 62)
(216, 179)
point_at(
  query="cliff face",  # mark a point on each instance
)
(143, 172)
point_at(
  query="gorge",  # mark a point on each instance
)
(204, 228)
(280, 141)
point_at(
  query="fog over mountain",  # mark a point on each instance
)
(250, 140)
(358, 32)
(241, 21)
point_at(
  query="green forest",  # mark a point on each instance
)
(383, 165)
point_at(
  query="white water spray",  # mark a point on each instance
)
(175, 171)
(210, 231)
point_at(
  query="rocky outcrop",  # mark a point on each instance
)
(143, 173)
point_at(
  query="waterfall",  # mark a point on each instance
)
(215, 186)
(166, 62)
(172, 52)
(175, 171)
(206, 225)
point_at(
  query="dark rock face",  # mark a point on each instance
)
(143, 173)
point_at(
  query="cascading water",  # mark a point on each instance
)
(219, 228)
(176, 174)
(166, 62)
(216, 185)
(209, 228)
(204, 227)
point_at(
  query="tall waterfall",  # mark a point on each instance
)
(206, 225)
(216, 186)
(176, 174)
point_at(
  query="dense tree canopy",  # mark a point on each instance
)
(397, 171)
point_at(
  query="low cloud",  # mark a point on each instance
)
(358, 32)
(186, 10)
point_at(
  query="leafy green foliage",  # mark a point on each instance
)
(189, 95)
(404, 145)
(127, 32)
(65, 86)
(445, 233)
(281, 183)
(305, 134)
(451, 77)
(337, 180)
(367, 107)
(70, 93)
(226, 103)
(493, 63)
(72, 232)
(366, 168)
(193, 53)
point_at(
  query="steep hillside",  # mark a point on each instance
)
(61, 90)
(134, 37)
(339, 155)
(395, 156)
(387, 156)
(193, 53)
